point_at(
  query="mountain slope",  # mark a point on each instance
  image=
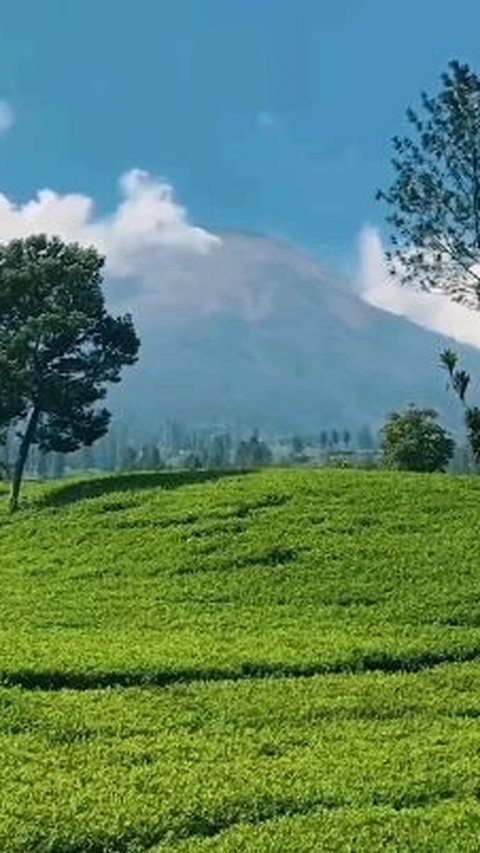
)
(257, 334)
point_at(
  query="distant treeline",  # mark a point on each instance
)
(178, 446)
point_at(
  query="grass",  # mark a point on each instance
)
(285, 661)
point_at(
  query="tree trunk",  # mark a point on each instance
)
(21, 459)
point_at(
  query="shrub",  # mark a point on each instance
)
(414, 441)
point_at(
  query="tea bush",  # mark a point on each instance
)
(281, 661)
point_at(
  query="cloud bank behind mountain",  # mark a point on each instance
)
(430, 310)
(158, 260)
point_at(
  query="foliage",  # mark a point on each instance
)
(298, 445)
(459, 379)
(460, 382)
(58, 346)
(218, 456)
(472, 422)
(434, 207)
(434, 200)
(253, 453)
(413, 441)
(280, 661)
(339, 460)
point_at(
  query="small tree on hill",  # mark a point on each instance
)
(58, 347)
(414, 441)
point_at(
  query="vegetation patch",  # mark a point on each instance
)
(297, 689)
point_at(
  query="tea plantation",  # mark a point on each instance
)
(285, 661)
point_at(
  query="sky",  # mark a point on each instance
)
(265, 116)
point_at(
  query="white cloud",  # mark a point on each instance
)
(7, 116)
(158, 262)
(147, 218)
(159, 265)
(147, 240)
(433, 311)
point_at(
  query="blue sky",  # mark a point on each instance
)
(264, 115)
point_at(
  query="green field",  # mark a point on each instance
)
(285, 661)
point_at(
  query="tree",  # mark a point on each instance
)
(460, 382)
(347, 438)
(434, 207)
(298, 445)
(86, 459)
(414, 441)
(253, 453)
(129, 458)
(260, 453)
(149, 458)
(218, 456)
(324, 440)
(58, 465)
(193, 462)
(434, 201)
(242, 455)
(4, 467)
(58, 347)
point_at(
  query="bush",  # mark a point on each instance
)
(414, 441)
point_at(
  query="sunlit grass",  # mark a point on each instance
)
(275, 661)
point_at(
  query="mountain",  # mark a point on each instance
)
(257, 334)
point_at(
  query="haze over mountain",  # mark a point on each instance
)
(247, 330)
(256, 333)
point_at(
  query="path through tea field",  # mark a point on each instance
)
(283, 661)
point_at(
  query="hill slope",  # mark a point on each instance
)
(259, 334)
(283, 661)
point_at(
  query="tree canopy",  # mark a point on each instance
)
(434, 200)
(414, 441)
(59, 346)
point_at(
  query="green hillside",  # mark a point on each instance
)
(285, 661)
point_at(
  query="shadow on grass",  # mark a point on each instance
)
(96, 487)
(52, 680)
